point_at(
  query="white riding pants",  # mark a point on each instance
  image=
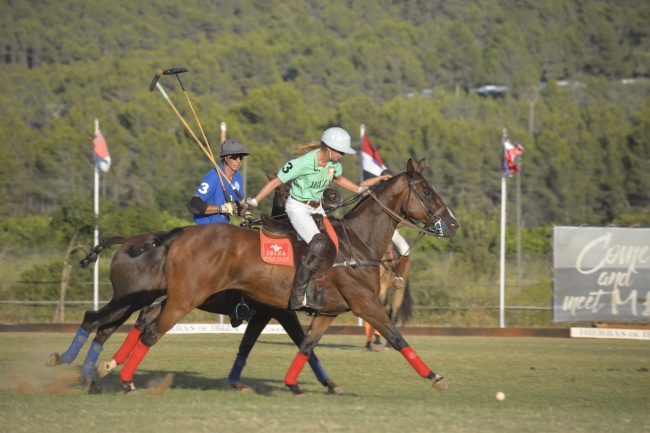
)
(401, 245)
(300, 216)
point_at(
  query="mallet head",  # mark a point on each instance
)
(174, 71)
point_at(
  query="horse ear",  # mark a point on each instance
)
(420, 168)
(409, 166)
(271, 176)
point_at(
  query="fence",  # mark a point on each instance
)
(463, 316)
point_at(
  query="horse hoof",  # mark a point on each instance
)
(54, 360)
(129, 388)
(333, 388)
(239, 387)
(440, 383)
(297, 392)
(105, 368)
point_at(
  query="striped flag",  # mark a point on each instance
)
(100, 150)
(371, 163)
(509, 152)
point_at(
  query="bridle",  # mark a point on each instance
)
(436, 230)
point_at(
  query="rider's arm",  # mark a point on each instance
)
(346, 183)
(375, 180)
(266, 190)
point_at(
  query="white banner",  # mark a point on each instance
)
(627, 334)
(601, 274)
(219, 328)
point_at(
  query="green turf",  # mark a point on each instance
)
(551, 385)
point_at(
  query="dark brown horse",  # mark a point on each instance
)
(208, 259)
(138, 279)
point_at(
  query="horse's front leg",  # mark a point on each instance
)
(377, 317)
(317, 328)
(147, 315)
(253, 330)
(152, 333)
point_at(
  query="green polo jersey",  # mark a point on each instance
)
(309, 180)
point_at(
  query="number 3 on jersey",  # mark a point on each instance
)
(203, 188)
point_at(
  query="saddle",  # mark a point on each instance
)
(280, 244)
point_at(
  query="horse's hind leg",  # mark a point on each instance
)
(316, 330)
(92, 321)
(289, 321)
(147, 315)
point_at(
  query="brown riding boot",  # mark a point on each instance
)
(301, 298)
(401, 274)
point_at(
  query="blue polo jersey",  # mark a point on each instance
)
(211, 192)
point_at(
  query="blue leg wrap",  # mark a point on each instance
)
(88, 367)
(77, 343)
(314, 363)
(237, 367)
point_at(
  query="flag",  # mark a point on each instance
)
(509, 153)
(100, 150)
(371, 163)
(223, 131)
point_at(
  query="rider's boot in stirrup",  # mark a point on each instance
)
(318, 248)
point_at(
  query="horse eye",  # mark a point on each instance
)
(427, 191)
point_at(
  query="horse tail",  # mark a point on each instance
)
(91, 257)
(160, 239)
(405, 312)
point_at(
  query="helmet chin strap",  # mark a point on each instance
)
(228, 165)
(330, 154)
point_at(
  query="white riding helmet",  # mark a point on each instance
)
(338, 139)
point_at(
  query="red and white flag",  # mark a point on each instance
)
(100, 150)
(371, 163)
(510, 150)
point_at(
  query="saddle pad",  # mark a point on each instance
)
(279, 250)
(331, 233)
(276, 251)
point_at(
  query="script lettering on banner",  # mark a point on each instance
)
(601, 274)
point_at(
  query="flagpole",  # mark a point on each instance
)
(503, 254)
(96, 235)
(362, 132)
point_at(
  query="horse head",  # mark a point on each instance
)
(420, 202)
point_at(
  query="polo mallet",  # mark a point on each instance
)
(155, 84)
(207, 150)
(176, 71)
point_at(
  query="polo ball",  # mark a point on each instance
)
(500, 396)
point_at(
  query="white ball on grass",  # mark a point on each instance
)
(500, 396)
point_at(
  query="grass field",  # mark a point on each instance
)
(551, 385)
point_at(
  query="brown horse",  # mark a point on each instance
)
(138, 279)
(207, 259)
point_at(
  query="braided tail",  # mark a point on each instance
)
(91, 257)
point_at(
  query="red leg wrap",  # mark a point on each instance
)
(126, 375)
(415, 361)
(127, 347)
(291, 378)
